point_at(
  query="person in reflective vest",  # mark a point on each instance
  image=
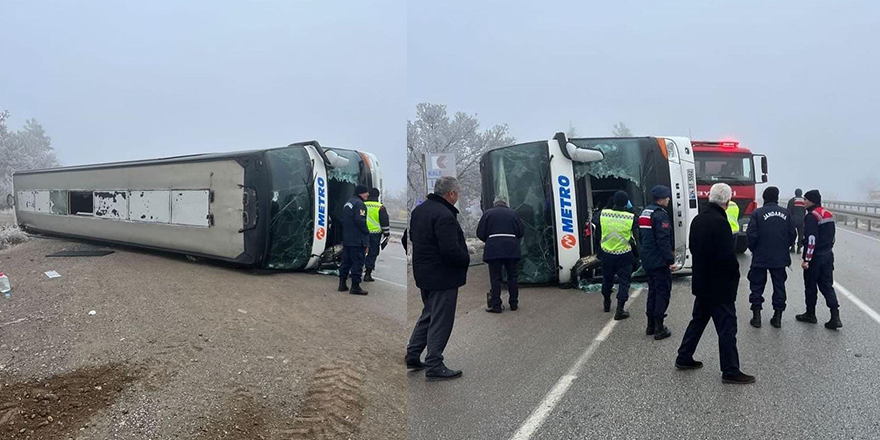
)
(733, 216)
(615, 228)
(798, 209)
(379, 226)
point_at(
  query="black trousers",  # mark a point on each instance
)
(724, 317)
(352, 263)
(757, 281)
(659, 292)
(820, 277)
(511, 266)
(373, 252)
(434, 326)
(622, 266)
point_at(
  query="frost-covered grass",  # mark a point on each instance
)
(11, 235)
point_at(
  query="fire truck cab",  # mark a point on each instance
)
(728, 162)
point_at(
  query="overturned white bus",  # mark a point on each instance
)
(272, 208)
(556, 185)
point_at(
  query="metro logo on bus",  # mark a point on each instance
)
(568, 241)
(322, 205)
(565, 204)
(319, 234)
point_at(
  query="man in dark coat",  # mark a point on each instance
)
(355, 241)
(657, 259)
(798, 209)
(440, 262)
(615, 228)
(818, 265)
(501, 229)
(714, 283)
(770, 232)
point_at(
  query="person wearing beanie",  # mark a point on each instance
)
(655, 230)
(380, 229)
(798, 210)
(615, 228)
(355, 241)
(770, 233)
(818, 259)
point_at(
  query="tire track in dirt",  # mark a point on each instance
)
(334, 404)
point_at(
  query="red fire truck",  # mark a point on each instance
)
(728, 162)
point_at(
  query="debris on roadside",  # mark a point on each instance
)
(81, 253)
(52, 274)
(92, 313)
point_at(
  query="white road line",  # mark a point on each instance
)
(390, 282)
(856, 233)
(874, 315)
(531, 425)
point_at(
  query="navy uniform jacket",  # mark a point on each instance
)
(818, 233)
(656, 237)
(354, 223)
(501, 229)
(771, 232)
(798, 210)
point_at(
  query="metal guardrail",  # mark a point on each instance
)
(398, 226)
(859, 211)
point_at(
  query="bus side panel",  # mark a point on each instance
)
(684, 195)
(221, 238)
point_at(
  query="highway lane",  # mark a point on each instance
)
(812, 382)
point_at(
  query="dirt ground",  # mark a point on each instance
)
(189, 350)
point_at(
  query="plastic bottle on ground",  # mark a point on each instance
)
(5, 288)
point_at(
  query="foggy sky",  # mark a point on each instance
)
(796, 80)
(116, 80)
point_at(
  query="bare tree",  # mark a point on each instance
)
(621, 130)
(26, 149)
(433, 131)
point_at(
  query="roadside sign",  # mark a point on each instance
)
(438, 165)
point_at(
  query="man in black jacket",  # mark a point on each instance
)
(819, 231)
(355, 240)
(440, 262)
(657, 259)
(501, 229)
(714, 283)
(798, 208)
(770, 231)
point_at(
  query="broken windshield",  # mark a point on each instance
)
(522, 174)
(629, 165)
(291, 219)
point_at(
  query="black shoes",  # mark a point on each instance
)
(495, 310)
(756, 318)
(807, 317)
(356, 289)
(660, 330)
(441, 373)
(834, 323)
(620, 314)
(606, 305)
(414, 364)
(688, 364)
(514, 306)
(343, 286)
(776, 320)
(649, 330)
(368, 276)
(737, 378)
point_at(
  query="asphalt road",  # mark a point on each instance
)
(556, 368)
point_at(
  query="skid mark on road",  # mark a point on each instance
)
(540, 413)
